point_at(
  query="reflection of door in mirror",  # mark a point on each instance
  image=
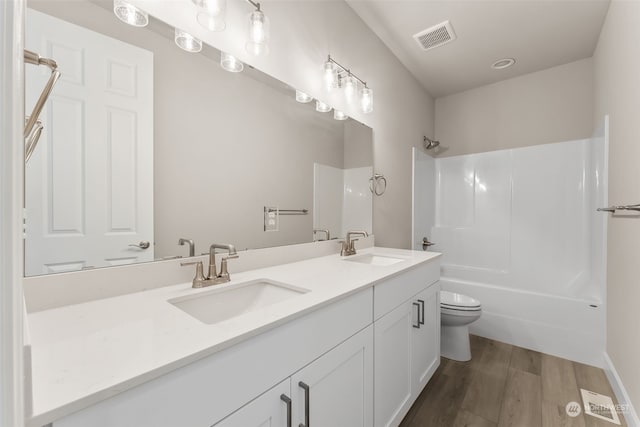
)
(89, 185)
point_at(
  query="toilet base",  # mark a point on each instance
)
(454, 343)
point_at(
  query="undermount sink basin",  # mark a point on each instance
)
(372, 259)
(222, 304)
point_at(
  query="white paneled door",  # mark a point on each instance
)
(89, 183)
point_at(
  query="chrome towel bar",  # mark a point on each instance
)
(289, 211)
(635, 208)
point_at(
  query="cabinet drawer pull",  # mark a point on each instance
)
(415, 304)
(421, 311)
(306, 404)
(287, 400)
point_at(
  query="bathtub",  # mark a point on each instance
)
(570, 328)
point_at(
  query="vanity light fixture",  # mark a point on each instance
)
(339, 115)
(230, 63)
(322, 107)
(338, 76)
(186, 41)
(303, 97)
(213, 16)
(130, 14)
(258, 32)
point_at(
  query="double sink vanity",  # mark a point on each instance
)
(327, 341)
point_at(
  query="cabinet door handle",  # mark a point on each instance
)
(287, 400)
(306, 404)
(421, 312)
(415, 304)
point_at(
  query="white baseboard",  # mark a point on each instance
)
(630, 415)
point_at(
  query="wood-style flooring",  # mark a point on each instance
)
(507, 386)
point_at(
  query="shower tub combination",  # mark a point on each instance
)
(519, 231)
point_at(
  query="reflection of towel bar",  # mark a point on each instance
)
(612, 209)
(290, 211)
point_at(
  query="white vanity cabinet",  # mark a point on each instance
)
(358, 359)
(407, 343)
(335, 390)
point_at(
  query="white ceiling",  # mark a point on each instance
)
(539, 34)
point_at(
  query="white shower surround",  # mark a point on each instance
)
(519, 231)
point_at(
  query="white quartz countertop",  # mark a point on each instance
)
(85, 353)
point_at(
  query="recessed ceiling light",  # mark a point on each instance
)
(503, 63)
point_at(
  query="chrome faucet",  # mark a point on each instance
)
(319, 230)
(200, 281)
(192, 246)
(348, 246)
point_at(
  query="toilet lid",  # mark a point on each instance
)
(453, 300)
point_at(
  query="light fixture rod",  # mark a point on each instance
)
(344, 68)
(254, 4)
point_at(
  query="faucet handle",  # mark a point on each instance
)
(224, 272)
(199, 277)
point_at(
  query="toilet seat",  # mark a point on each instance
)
(458, 302)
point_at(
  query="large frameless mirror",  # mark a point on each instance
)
(145, 144)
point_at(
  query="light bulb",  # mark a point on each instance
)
(258, 33)
(366, 100)
(130, 14)
(350, 88)
(322, 107)
(330, 75)
(187, 42)
(303, 97)
(213, 7)
(213, 16)
(230, 63)
(339, 115)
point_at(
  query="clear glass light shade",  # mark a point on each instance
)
(130, 14)
(187, 42)
(350, 86)
(330, 75)
(258, 34)
(213, 7)
(230, 63)
(366, 100)
(339, 115)
(213, 16)
(322, 107)
(303, 97)
(210, 22)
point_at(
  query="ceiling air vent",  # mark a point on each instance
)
(435, 36)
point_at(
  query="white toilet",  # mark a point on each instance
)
(456, 313)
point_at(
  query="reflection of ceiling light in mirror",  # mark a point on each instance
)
(230, 63)
(503, 63)
(339, 115)
(366, 100)
(303, 97)
(130, 14)
(322, 107)
(258, 36)
(187, 42)
(350, 87)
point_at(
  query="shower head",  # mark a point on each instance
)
(430, 143)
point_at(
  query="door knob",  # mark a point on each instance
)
(426, 243)
(142, 245)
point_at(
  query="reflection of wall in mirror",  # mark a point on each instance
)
(225, 145)
(342, 200)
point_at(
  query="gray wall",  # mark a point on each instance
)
(547, 106)
(617, 93)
